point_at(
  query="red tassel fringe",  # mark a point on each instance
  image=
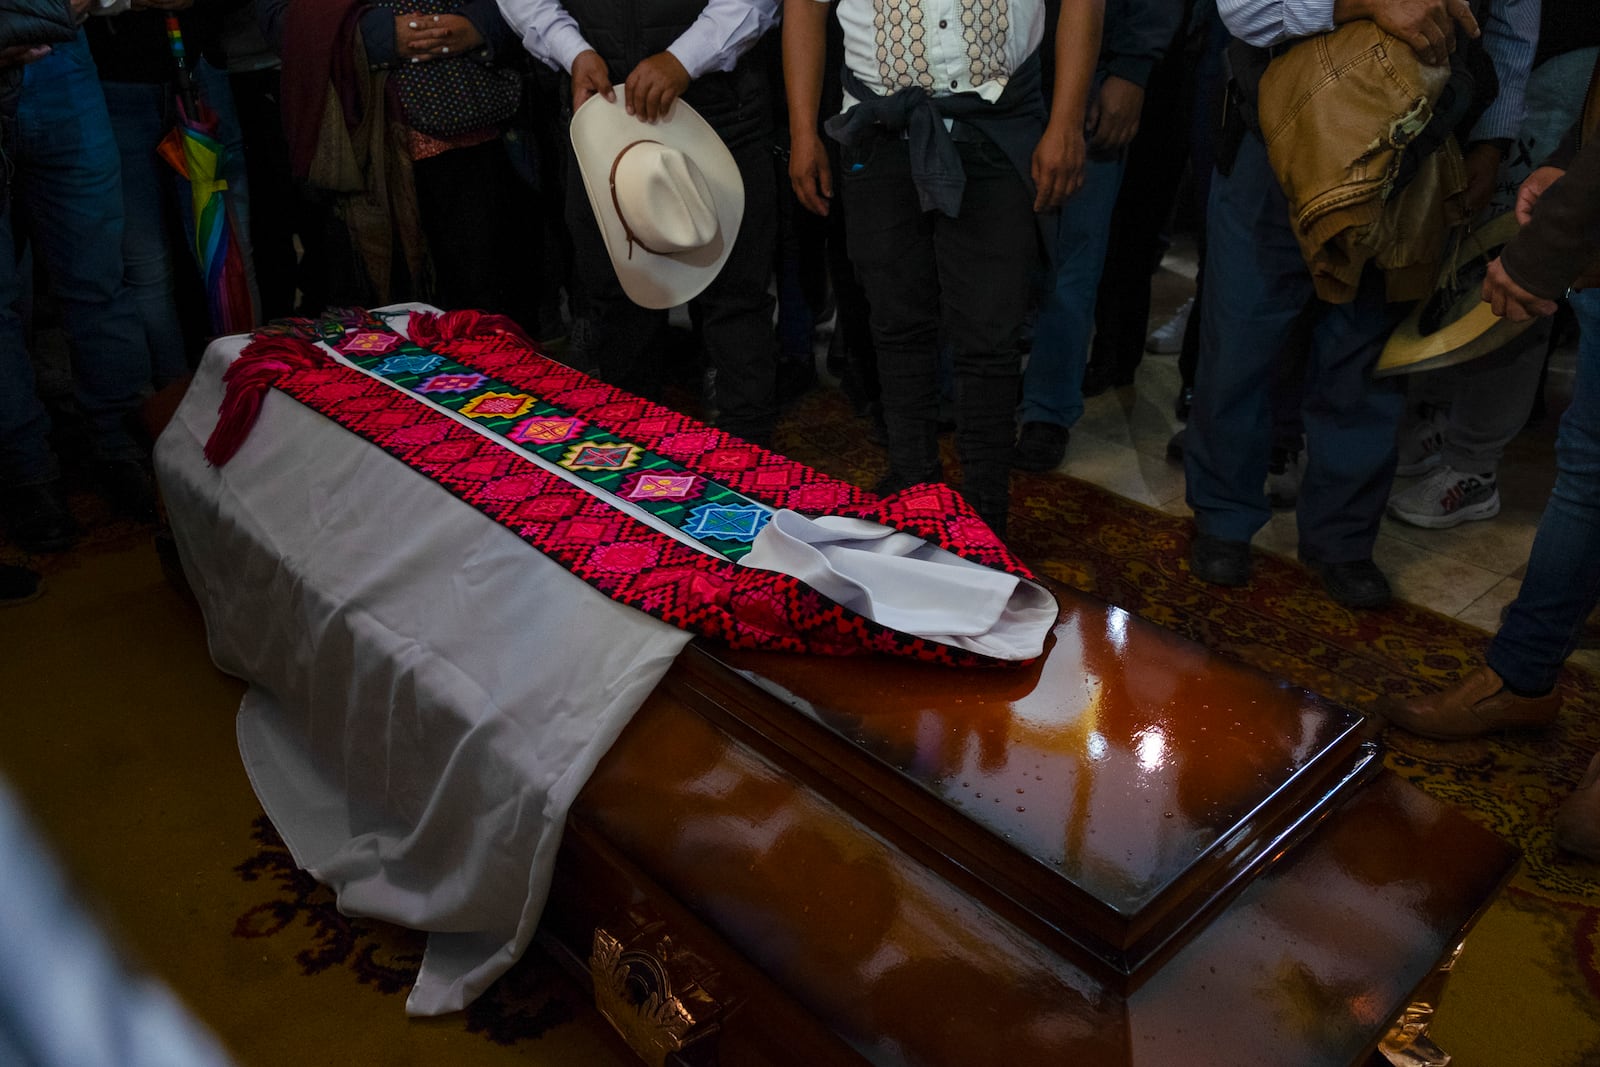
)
(245, 386)
(428, 328)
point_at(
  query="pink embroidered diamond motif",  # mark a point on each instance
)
(451, 383)
(368, 343)
(658, 485)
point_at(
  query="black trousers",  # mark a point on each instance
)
(482, 232)
(932, 280)
(734, 312)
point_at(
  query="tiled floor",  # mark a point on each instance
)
(1469, 572)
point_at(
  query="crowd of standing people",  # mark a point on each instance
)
(978, 188)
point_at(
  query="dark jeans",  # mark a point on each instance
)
(734, 311)
(66, 199)
(1249, 325)
(962, 282)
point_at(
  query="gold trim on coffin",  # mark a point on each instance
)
(634, 993)
(1407, 1043)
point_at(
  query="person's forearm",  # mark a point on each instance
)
(1077, 46)
(723, 31)
(546, 30)
(1268, 22)
(377, 36)
(805, 26)
(1133, 44)
(1563, 237)
(1510, 36)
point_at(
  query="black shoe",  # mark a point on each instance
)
(1211, 559)
(1099, 377)
(38, 518)
(1040, 447)
(1355, 584)
(18, 585)
(1185, 401)
(129, 487)
(1175, 446)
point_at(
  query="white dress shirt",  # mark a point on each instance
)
(945, 46)
(724, 31)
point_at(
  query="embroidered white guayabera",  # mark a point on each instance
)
(943, 46)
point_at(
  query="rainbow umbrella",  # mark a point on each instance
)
(192, 149)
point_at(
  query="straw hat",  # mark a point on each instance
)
(1454, 324)
(667, 195)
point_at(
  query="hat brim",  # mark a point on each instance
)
(600, 130)
(1454, 325)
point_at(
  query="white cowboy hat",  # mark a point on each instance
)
(1453, 324)
(667, 195)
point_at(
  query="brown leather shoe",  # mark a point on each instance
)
(1578, 818)
(1478, 704)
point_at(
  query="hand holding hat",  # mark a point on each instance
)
(654, 84)
(1454, 324)
(667, 195)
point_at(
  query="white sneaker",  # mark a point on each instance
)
(1421, 442)
(1447, 498)
(1167, 339)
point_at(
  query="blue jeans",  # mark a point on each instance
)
(1052, 385)
(1251, 316)
(1563, 580)
(156, 204)
(66, 199)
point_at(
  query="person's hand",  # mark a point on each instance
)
(590, 76)
(80, 10)
(1533, 187)
(1483, 167)
(1428, 26)
(1057, 165)
(422, 37)
(1510, 300)
(20, 55)
(809, 172)
(449, 35)
(1113, 117)
(414, 36)
(654, 84)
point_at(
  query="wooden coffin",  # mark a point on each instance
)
(1133, 852)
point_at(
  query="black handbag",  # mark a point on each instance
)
(449, 97)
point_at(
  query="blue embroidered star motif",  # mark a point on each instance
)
(727, 522)
(409, 364)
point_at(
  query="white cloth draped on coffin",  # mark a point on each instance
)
(427, 693)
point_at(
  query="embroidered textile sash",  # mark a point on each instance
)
(702, 482)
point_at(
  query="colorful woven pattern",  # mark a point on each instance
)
(712, 486)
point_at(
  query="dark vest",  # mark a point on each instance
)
(625, 32)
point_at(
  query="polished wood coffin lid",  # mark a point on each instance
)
(1107, 798)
